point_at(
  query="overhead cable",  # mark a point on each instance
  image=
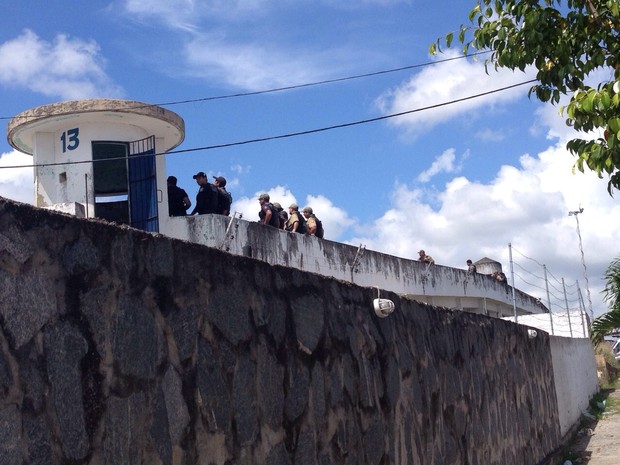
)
(294, 86)
(291, 134)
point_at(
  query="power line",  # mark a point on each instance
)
(525, 256)
(561, 298)
(556, 279)
(292, 134)
(326, 81)
(528, 283)
(291, 87)
(527, 271)
(583, 260)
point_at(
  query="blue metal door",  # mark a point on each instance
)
(143, 185)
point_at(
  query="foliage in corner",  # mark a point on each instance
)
(610, 321)
(565, 41)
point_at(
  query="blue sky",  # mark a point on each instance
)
(461, 180)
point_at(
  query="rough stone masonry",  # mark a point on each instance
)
(123, 347)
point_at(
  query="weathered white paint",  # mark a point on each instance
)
(71, 208)
(576, 381)
(576, 326)
(38, 132)
(436, 285)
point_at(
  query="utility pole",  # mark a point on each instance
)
(583, 260)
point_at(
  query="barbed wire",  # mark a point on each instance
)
(527, 271)
(559, 281)
(529, 283)
(558, 293)
(529, 258)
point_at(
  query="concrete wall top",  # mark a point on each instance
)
(155, 120)
(435, 285)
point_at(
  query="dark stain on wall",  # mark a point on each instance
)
(118, 346)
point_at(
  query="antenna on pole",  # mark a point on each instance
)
(583, 260)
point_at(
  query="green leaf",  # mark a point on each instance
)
(605, 101)
(588, 103)
(614, 125)
(565, 43)
(611, 142)
(449, 38)
(474, 12)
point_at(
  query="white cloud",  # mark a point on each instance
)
(447, 82)
(444, 163)
(249, 66)
(178, 14)
(67, 68)
(241, 169)
(526, 206)
(187, 14)
(249, 206)
(335, 220)
(258, 44)
(488, 134)
(17, 183)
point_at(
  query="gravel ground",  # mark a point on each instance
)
(598, 443)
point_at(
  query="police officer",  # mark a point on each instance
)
(206, 198)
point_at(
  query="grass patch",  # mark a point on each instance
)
(611, 385)
(604, 349)
(598, 404)
(569, 455)
(602, 402)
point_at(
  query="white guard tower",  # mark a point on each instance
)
(101, 155)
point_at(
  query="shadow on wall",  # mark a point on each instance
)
(118, 346)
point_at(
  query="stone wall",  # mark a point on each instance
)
(122, 347)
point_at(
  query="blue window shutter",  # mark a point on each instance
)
(143, 185)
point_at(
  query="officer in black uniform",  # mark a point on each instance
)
(178, 201)
(206, 198)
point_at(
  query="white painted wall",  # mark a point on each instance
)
(436, 285)
(77, 184)
(44, 186)
(567, 324)
(576, 381)
(62, 184)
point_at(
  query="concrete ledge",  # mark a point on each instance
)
(436, 285)
(72, 208)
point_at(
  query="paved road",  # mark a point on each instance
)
(599, 444)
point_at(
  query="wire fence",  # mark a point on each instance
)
(567, 312)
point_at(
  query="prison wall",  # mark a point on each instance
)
(122, 347)
(574, 369)
(436, 285)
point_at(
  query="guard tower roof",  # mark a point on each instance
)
(154, 119)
